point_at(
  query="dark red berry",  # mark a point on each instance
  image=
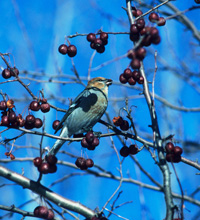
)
(98, 43)
(37, 161)
(81, 163)
(51, 159)
(134, 37)
(6, 74)
(72, 51)
(21, 121)
(178, 150)
(141, 53)
(43, 212)
(12, 117)
(131, 81)
(3, 105)
(103, 36)
(89, 137)
(14, 71)
(63, 49)
(122, 79)
(145, 31)
(131, 54)
(45, 107)
(138, 13)
(38, 123)
(117, 121)
(34, 106)
(30, 119)
(124, 126)
(140, 23)
(154, 32)
(153, 17)
(52, 168)
(5, 121)
(124, 151)
(136, 75)
(89, 163)
(135, 64)
(100, 49)
(95, 142)
(134, 29)
(55, 124)
(84, 143)
(177, 158)
(141, 80)
(161, 21)
(133, 149)
(169, 147)
(50, 214)
(127, 73)
(36, 211)
(156, 40)
(44, 168)
(105, 42)
(170, 157)
(92, 45)
(146, 41)
(91, 37)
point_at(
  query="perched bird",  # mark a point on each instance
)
(85, 111)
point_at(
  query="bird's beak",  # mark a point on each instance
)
(109, 82)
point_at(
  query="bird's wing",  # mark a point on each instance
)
(73, 106)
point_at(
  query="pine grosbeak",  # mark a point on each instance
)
(85, 111)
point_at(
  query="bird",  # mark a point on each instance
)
(84, 112)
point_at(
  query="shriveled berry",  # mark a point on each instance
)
(3, 105)
(153, 17)
(34, 106)
(55, 124)
(37, 161)
(169, 147)
(44, 168)
(38, 123)
(124, 126)
(135, 64)
(133, 149)
(124, 151)
(51, 159)
(89, 163)
(178, 150)
(122, 79)
(72, 51)
(127, 73)
(6, 74)
(63, 49)
(91, 37)
(117, 121)
(45, 107)
(104, 36)
(10, 104)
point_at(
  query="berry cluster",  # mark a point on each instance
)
(173, 153)
(44, 212)
(42, 105)
(9, 154)
(90, 141)
(7, 73)
(131, 77)
(132, 149)
(98, 44)
(70, 50)
(46, 166)
(119, 121)
(155, 18)
(83, 163)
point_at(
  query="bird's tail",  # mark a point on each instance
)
(58, 144)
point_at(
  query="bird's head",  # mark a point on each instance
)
(100, 83)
